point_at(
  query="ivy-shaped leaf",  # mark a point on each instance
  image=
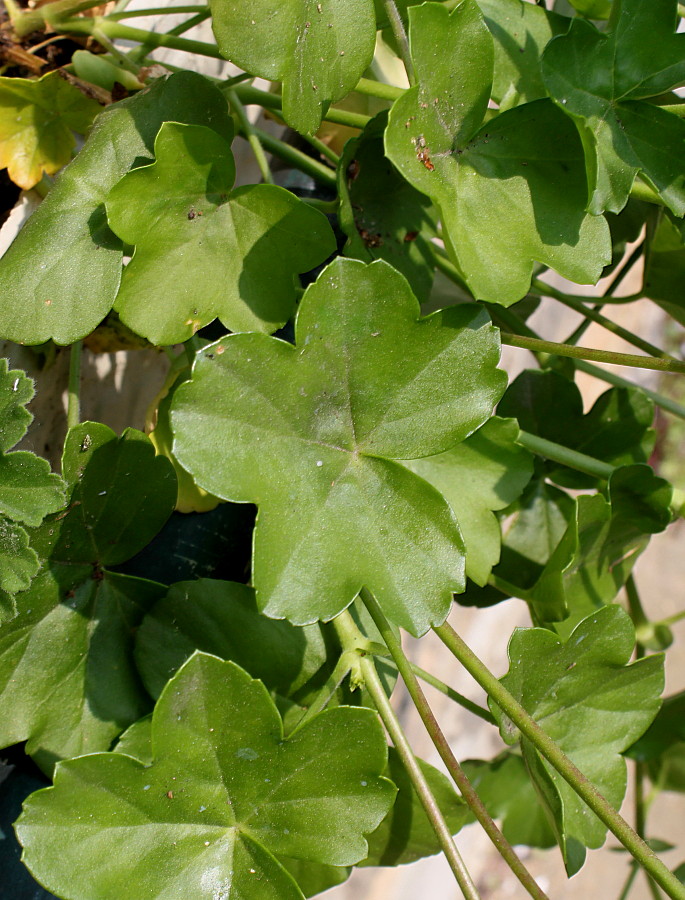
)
(602, 78)
(221, 618)
(617, 430)
(520, 31)
(580, 687)
(319, 49)
(485, 473)
(204, 250)
(511, 192)
(383, 216)
(665, 267)
(28, 490)
(309, 434)
(42, 292)
(224, 793)
(37, 119)
(72, 638)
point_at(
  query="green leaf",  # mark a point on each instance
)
(617, 430)
(405, 834)
(485, 473)
(665, 267)
(224, 793)
(506, 790)
(511, 192)
(204, 250)
(101, 71)
(593, 9)
(319, 49)
(136, 741)
(221, 618)
(37, 119)
(309, 434)
(577, 688)
(16, 390)
(520, 32)
(41, 290)
(28, 490)
(601, 78)
(383, 216)
(72, 638)
(18, 562)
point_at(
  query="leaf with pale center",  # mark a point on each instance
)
(225, 793)
(204, 250)
(602, 80)
(578, 688)
(37, 121)
(318, 49)
(309, 433)
(512, 191)
(67, 243)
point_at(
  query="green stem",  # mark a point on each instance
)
(378, 89)
(536, 345)
(351, 640)
(441, 744)
(248, 132)
(565, 456)
(117, 31)
(322, 699)
(671, 620)
(563, 765)
(74, 389)
(326, 206)
(400, 34)
(249, 94)
(445, 689)
(322, 148)
(637, 613)
(121, 59)
(154, 11)
(299, 160)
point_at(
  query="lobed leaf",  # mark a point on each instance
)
(309, 434)
(16, 390)
(224, 793)
(184, 219)
(37, 118)
(601, 80)
(42, 296)
(572, 689)
(510, 192)
(318, 49)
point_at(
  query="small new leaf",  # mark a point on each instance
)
(511, 192)
(37, 119)
(602, 78)
(319, 49)
(224, 793)
(204, 250)
(580, 687)
(309, 433)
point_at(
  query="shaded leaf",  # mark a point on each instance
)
(309, 434)
(601, 78)
(225, 792)
(41, 292)
(186, 223)
(581, 687)
(18, 562)
(221, 617)
(37, 119)
(318, 50)
(28, 490)
(665, 267)
(510, 192)
(383, 216)
(16, 390)
(485, 473)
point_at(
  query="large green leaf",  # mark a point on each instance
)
(485, 473)
(224, 793)
(520, 31)
(383, 216)
(37, 119)
(665, 267)
(511, 192)
(309, 434)
(575, 689)
(68, 684)
(204, 250)
(601, 79)
(319, 49)
(221, 617)
(42, 291)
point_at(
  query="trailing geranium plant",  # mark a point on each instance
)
(212, 738)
